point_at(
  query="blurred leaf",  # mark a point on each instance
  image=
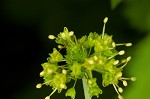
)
(115, 3)
(138, 13)
(140, 68)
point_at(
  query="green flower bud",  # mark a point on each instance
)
(95, 91)
(71, 92)
(55, 57)
(76, 70)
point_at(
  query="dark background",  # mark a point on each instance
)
(26, 24)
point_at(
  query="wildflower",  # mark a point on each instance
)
(95, 52)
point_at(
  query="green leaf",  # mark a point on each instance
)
(137, 12)
(115, 3)
(140, 68)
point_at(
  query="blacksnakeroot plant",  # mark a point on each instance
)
(95, 52)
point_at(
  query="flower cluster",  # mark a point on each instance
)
(95, 52)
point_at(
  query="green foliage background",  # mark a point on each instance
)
(129, 21)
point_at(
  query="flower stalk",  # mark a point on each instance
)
(85, 88)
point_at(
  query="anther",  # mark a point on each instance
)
(71, 33)
(63, 35)
(105, 20)
(125, 83)
(51, 37)
(60, 46)
(120, 89)
(89, 81)
(120, 97)
(119, 74)
(49, 71)
(95, 58)
(116, 62)
(39, 85)
(47, 97)
(123, 60)
(128, 44)
(64, 71)
(133, 78)
(42, 73)
(113, 44)
(103, 31)
(91, 62)
(63, 86)
(128, 58)
(121, 52)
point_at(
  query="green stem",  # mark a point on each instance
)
(85, 88)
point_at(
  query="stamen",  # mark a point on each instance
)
(127, 60)
(120, 90)
(115, 89)
(105, 21)
(126, 44)
(132, 78)
(48, 97)
(120, 44)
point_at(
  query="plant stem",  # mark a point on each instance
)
(85, 88)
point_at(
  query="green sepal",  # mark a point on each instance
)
(76, 53)
(64, 38)
(76, 70)
(107, 79)
(94, 89)
(55, 57)
(57, 80)
(71, 92)
(92, 38)
(49, 68)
